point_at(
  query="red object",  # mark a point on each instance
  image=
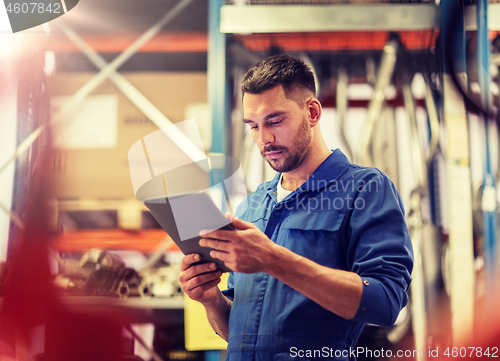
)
(335, 41)
(145, 241)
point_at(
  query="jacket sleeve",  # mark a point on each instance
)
(380, 251)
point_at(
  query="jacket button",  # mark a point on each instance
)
(366, 283)
(363, 309)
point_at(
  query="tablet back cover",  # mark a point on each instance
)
(191, 216)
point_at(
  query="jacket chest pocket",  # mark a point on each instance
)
(316, 236)
(259, 220)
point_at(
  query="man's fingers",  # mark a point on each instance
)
(210, 233)
(197, 292)
(241, 224)
(215, 244)
(188, 260)
(223, 256)
(196, 270)
(222, 234)
(201, 280)
(227, 235)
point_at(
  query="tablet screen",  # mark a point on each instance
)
(184, 216)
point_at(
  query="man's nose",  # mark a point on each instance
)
(266, 137)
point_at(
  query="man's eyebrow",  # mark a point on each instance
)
(269, 116)
(274, 115)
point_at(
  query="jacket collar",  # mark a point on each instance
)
(327, 172)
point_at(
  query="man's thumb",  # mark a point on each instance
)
(241, 224)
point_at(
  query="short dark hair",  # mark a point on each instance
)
(284, 70)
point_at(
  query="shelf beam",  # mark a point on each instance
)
(316, 18)
(470, 17)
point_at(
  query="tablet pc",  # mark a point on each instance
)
(184, 216)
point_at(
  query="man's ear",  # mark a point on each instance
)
(314, 111)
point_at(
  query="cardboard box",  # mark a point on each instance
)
(103, 173)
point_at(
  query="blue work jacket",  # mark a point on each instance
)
(345, 217)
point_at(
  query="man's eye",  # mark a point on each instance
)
(254, 126)
(276, 122)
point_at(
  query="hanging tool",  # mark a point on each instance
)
(341, 100)
(384, 76)
(458, 174)
(415, 219)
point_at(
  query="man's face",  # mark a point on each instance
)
(279, 126)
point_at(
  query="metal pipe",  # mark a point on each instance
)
(433, 120)
(458, 187)
(418, 160)
(419, 320)
(489, 203)
(23, 147)
(386, 69)
(341, 100)
(157, 255)
(415, 219)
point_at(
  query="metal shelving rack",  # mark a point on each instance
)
(32, 117)
(273, 21)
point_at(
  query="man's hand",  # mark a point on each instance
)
(248, 250)
(200, 281)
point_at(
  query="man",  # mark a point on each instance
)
(320, 250)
